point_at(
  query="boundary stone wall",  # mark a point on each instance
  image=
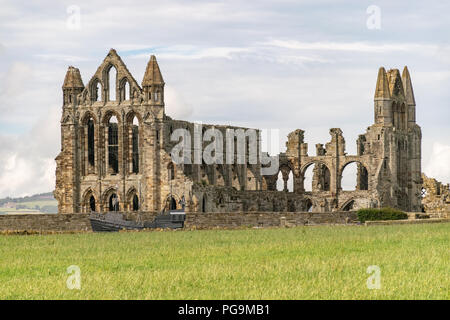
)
(80, 222)
(266, 219)
(45, 222)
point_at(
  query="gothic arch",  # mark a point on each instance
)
(171, 172)
(112, 142)
(131, 114)
(362, 175)
(96, 90)
(305, 167)
(131, 197)
(321, 180)
(108, 114)
(107, 197)
(172, 202)
(283, 175)
(133, 141)
(87, 205)
(403, 119)
(348, 205)
(106, 74)
(88, 137)
(124, 86)
(88, 115)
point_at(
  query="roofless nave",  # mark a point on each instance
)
(116, 154)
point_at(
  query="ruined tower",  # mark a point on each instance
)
(388, 156)
(396, 140)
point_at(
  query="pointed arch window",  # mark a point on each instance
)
(112, 77)
(135, 145)
(96, 91)
(124, 90)
(171, 171)
(113, 145)
(91, 142)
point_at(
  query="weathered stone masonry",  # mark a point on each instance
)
(115, 154)
(436, 197)
(197, 220)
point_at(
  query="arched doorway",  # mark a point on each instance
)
(135, 203)
(113, 203)
(173, 204)
(92, 203)
(349, 206)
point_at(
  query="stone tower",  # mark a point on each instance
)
(397, 140)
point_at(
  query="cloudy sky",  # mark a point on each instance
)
(265, 64)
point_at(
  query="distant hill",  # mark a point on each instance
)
(38, 203)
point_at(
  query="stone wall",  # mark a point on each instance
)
(266, 219)
(436, 197)
(45, 222)
(80, 222)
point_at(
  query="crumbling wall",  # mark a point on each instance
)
(436, 196)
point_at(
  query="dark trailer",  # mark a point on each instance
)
(114, 221)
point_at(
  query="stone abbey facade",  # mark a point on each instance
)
(117, 143)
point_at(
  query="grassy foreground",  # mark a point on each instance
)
(326, 262)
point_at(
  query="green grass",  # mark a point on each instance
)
(40, 203)
(325, 262)
(30, 207)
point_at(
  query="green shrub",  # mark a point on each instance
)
(380, 214)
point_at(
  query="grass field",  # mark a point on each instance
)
(30, 207)
(325, 262)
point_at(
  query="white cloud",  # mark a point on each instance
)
(176, 107)
(351, 46)
(15, 79)
(27, 164)
(267, 64)
(438, 165)
(191, 52)
(61, 57)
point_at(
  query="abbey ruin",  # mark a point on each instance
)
(436, 197)
(117, 154)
